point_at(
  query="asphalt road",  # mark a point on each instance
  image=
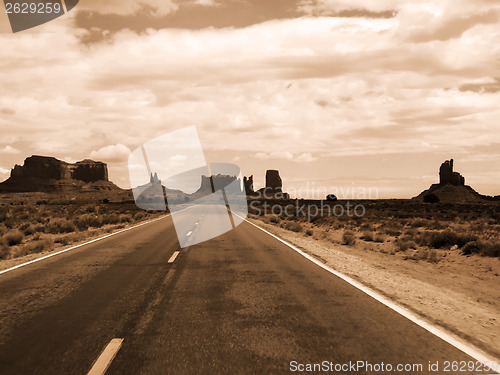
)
(240, 303)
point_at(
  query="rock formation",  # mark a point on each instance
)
(447, 176)
(218, 182)
(48, 174)
(154, 179)
(273, 179)
(248, 184)
(274, 186)
(451, 188)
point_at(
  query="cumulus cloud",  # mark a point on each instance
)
(126, 7)
(305, 158)
(285, 155)
(113, 153)
(7, 111)
(206, 2)
(9, 150)
(274, 155)
(348, 79)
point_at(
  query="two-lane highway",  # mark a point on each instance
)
(240, 303)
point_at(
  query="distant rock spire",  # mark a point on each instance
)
(447, 176)
(154, 179)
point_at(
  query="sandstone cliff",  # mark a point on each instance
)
(48, 174)
(274, 186)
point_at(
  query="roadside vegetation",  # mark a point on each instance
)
(413, 230)
(34, 228)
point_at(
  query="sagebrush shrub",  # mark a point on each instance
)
(13, 237)
(349, 238)
(294, 226)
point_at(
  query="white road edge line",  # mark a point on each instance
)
(172, 258)
(104, 360)
(83, 244)
(458, 343)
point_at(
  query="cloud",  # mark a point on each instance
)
(305, 158)
(9, 150)
(206, 3)
(127, 7)
(285, 155)
(368, 7)
(113, 153)
(7, 111)
(353, 81)
(4, 171)
(274, 155)
(490, 86)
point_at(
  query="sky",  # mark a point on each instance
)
(353, 97)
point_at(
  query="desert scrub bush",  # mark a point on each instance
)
(348, 238)
(418, 223)
(293, 226)
(405, 243)
(392, 232)
(9, 223)
(471, 247)
(482, 247)
(139, 215)
(380, 238)
(125, 218)
(430, 256)
(431, 198)
(86, 221)
(433, 257)
(13, 237)
(366, 227)
(491, 249)
(110, 219)
(367, 236)
(274, 219)
(446, 239)
(309, 232)
(89, 208)
(4, 248)
(39, 228)
(37, 246)
(436, 225)
(60, 225)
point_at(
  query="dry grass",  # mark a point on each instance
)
(349, 238)
(34, 228)
(418, 231)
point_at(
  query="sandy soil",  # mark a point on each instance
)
(459, 293)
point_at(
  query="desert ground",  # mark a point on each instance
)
(32, 224)
(441, 261)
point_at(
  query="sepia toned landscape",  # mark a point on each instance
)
(249, 187)
(437, 254)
